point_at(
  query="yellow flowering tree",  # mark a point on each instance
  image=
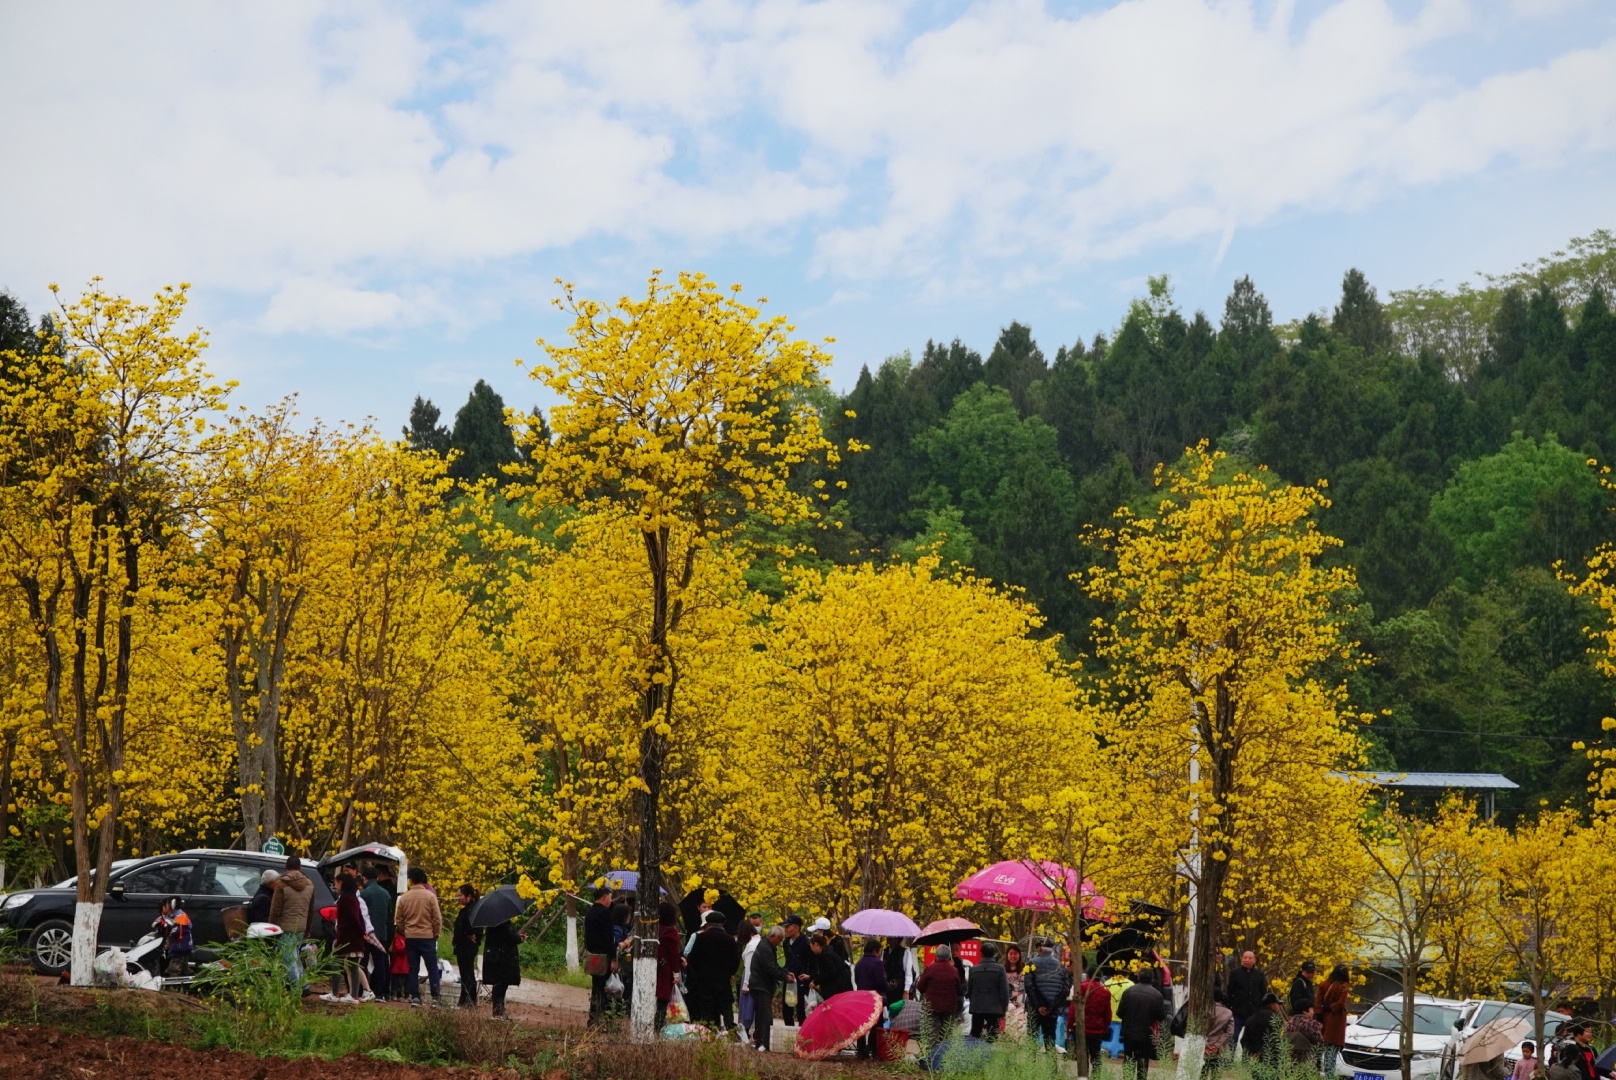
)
(1222, 617)
(92, 433)
(270, 499)
(684, 411)
(910, 718)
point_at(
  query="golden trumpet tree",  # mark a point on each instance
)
(911, 716)
(396, 725)
(93, 430)
(1534, 918)
(684, 411)
(270, 498)
(1222, 615)
(1467, 960)
(575, 639)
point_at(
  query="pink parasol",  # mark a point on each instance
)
(838, 1022)
(1038, 886)
(879, 922)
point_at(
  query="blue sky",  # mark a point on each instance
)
(373, 200)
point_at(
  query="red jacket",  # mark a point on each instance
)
(939, 988)
(1096, 1009)
(670, 959)
(1331, 1005)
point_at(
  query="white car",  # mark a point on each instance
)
(1374, 1040)
(1476, 1013)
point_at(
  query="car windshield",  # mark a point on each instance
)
(1428, 1019)
(1492, 1010)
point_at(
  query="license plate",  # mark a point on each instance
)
(1367, 1076)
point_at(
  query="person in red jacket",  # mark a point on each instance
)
(670, 958)
(1094, 998)
(940, 991)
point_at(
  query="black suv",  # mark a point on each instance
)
(208, 881)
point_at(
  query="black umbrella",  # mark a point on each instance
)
(727, 905)
(501, 905)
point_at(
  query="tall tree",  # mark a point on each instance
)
(1222, 616)
(680, 410)
(1017, 364)
(1360, 318)
(424, 432)
(482, 439)
(91, 442)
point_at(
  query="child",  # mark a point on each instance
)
(178, 941)
(1525, 1067)
(400, 970)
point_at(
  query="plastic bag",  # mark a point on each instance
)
(791, 995)
(614, 986)
(678, 1013)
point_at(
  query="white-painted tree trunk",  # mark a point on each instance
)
(1192, 1057)
(572, 943)
(642, 1015)
(86, 928)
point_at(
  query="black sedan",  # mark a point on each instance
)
(209, 882)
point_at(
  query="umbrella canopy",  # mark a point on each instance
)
(947, 932)
(879, 922)
(1035, 886)
(838, 1022)
(1493, 1038)
(690, 910)
(501, 905)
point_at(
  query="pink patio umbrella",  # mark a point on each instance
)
(948, 932)
(838, 1022)
(1035, 886)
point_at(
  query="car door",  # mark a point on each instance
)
(136, 898)
(221, 884)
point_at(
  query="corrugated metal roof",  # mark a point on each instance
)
(1470, 781)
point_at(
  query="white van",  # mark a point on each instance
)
(1374, 1040)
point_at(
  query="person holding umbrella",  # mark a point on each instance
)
(502, 962)
(939, 987)
(494, 915)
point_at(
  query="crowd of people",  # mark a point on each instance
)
(384, 941)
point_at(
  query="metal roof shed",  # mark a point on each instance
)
(1489, 784)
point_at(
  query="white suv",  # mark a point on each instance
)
(1477, 1013)
(1374, 1039)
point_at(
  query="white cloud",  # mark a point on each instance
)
(334, 158)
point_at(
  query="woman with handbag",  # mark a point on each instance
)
(670, 959)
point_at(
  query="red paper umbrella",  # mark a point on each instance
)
(838, 1022)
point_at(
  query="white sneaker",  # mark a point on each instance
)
(330, 997)
(348, 999)
(367, 996)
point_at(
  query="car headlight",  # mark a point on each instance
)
(15, 900)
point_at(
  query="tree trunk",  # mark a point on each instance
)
(656, 699)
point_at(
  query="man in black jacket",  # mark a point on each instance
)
(1300, 998)
(763, 982)
(799, 969)
(601, 949)
(987, 988)
(1247, 985)
(1138, 1011)
(1047, 987)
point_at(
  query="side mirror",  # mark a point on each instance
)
(115, 891)
(1458, 1025)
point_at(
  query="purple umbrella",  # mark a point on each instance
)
(879, 922)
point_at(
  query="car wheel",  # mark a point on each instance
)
(50, 947)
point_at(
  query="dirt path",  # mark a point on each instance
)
(31, 1053)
